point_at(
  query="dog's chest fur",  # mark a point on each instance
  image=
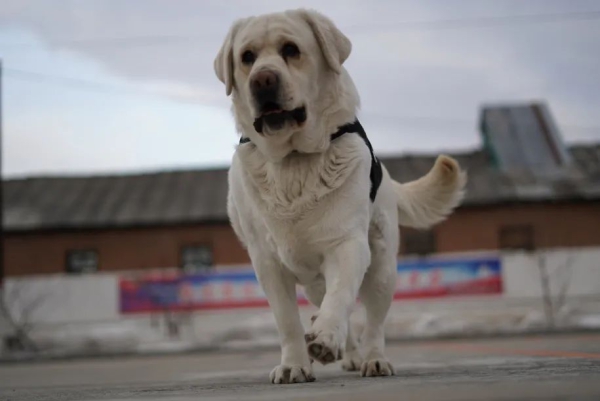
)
(292, 197)
(295, 186)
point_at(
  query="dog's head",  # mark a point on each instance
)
(285, 73)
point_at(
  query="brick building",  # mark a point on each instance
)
(178, 219)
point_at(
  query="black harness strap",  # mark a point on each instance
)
(355, 127)
(376, 174)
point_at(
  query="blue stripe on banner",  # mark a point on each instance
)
(219, 276)
(493, 264)
(471, 265)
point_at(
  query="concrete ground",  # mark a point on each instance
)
(549, 368)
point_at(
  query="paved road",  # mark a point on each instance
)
(552, 368)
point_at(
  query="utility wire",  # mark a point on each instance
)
(482, 22)
(456, 121)
(86, 85)
(92, 86)
(457, 23)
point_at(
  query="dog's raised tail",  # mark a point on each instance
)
(430, 199)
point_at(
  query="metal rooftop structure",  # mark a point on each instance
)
(524, 138)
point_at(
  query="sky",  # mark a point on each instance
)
(123, 86)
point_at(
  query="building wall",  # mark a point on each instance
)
(125, 249)
(468, 229)
(554, 225)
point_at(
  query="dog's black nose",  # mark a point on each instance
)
(264, 80)
(265, 86)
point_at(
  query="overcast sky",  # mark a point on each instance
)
(96, 86)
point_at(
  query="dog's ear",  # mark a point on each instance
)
(336, 46)
(223, 63)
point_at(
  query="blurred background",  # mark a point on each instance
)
(117, 135)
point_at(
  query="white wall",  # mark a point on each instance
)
(95, 298)
(63, 299)
(580, 267)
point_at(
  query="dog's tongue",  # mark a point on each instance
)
(258, 125)
(299, 114)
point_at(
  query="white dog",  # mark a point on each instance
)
(307, 197)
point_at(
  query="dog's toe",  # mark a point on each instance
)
(376, 367)
(322, 347)
(284, 374)
(352, 362)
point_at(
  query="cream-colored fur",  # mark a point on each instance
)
(300, 203)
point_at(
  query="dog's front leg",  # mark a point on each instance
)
(279, 286)
(344, 268)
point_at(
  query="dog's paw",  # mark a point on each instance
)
(352, 361)
(376, 367)
(323, 347)
(284, 374)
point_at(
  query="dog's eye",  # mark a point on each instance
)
(248, 57)
(290, 50)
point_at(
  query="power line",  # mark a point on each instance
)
(86, 85)
(63, 81)
(125, 41)
(484, 22)
(457, 23)
(458, 121)
(2, 285)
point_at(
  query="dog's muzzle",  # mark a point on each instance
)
(265, 86)
(276, 118)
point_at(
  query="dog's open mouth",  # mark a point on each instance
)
(274, 117)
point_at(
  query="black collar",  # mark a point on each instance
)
(356, 128)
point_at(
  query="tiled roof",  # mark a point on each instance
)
(200, 195)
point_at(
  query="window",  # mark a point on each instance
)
(196, 258)
(417, 242)
(82, 261)
(517, 237)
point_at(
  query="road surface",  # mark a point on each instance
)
(548, 368)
